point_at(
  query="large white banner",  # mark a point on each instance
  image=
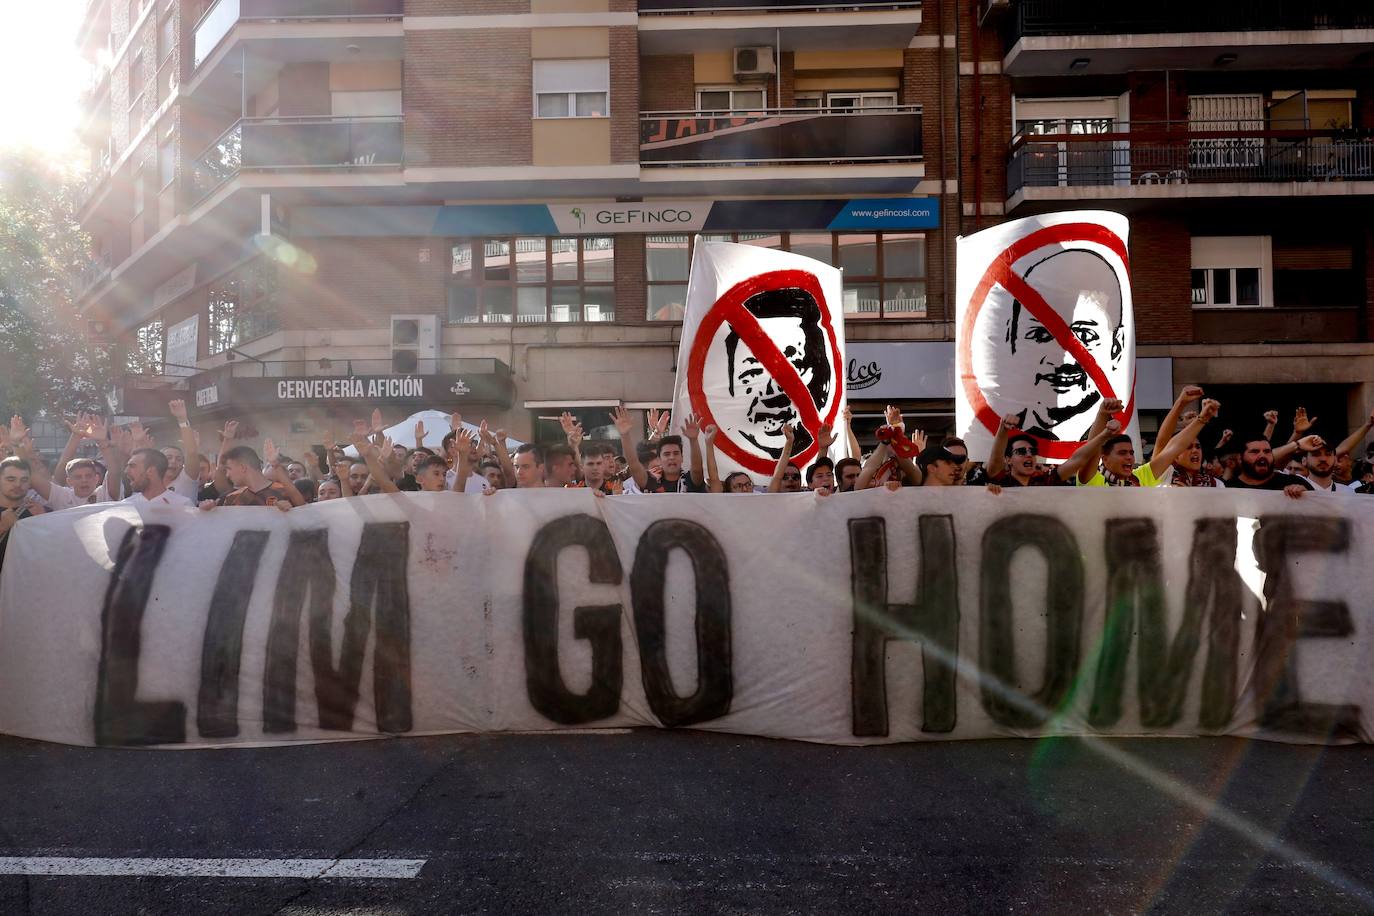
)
(859, 618)
(1044, 328)
(762, 348)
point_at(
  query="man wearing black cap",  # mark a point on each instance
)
(1256, 471)
(939, 467)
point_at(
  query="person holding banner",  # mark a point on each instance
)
(145, 476)
(243, 467)
(1118, 467)
(1257, 472)
(14, 498)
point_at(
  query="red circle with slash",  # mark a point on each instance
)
(1000, 273)
(729, 309)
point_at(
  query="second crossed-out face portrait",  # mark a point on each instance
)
(1027, 370)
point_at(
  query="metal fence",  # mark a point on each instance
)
(1092, 17)
(1184, 161)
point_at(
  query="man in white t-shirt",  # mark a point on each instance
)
(84, 476)
(145, 474)
(1320, 462)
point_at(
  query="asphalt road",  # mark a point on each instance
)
(691, 822)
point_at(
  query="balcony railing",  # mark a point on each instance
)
(221, 18)
(1125, 159)
(1092, 17)
(296, 143)
(769, 6)
(93, 273)
(93, 181)
(780, 135)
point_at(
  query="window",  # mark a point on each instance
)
(145, 349)
(861, 99)
(884, 273)
(135, 79)
(807, 100)
(365, 104)
(242, 305)
(572, 88)
(728, 99)
(666, 260)
(166, 38)
(1231, 271)
(1317, 272)
(530, 280)
(167, 158)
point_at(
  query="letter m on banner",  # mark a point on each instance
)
(762, 348)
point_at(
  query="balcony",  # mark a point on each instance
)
(1170, 160)
(685, 26)
(93, 274)
(777, 136)
(296, 144)
(1045, 37)
(221, 18)
(1091, 17)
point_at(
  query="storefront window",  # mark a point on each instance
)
(145, 354)
(242, 305)
(884, 273)
(666, 259)
(532, 280)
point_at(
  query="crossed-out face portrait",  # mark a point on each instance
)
(754, 408)
(1035, 375)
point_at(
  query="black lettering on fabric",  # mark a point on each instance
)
(1164, 666)
(932, 619)
(120, 719)
(217, 707)
(598, 624)
(715, 676)
(1063, 617)
(379, 596)
(306, 568)
(1286, 618)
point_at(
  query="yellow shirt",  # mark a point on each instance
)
(1143, 474)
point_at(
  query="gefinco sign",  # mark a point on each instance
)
(646, 216)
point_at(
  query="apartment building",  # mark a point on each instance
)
(304, 209)
(1239, 139)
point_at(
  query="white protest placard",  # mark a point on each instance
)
(762, 348)
(1045, 329)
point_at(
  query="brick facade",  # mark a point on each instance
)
(625, 104)
(476, 114)
(667, 82)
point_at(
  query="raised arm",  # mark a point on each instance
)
(272, 455)
(226, 436)
(1283, 452)
(625, 425)
(1103, 419)
(871, 466)
(1352, 441)
(691, 428)
(1169, 425)
(78, 428)
(368, 452)
(850, 438)
(789, 434)
(461, 449)
(1085, 458)
(713, 482)
(1173, 447)
(1271, 423)
(1302, 425)
(997, 458)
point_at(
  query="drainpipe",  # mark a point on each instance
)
(977, 119)
(777, 64)
(944, 155)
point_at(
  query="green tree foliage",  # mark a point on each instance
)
(46, 361)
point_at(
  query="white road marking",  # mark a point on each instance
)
(210, 868)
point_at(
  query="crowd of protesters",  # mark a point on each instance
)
(132, 468)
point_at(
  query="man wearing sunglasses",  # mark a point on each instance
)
(1012, 461)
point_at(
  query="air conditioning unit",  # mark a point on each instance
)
(414, 344)
(754, 62)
